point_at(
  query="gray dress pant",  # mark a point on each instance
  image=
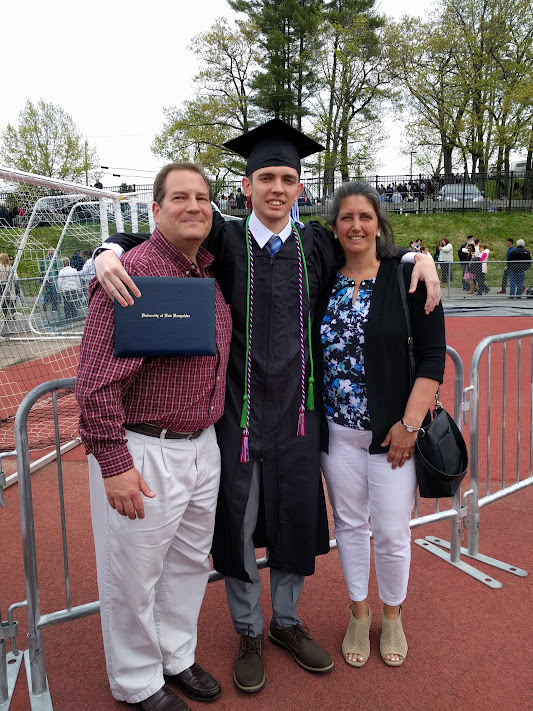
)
(243, 598)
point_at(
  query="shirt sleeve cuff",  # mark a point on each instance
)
(409, 258)
(117, 249)
(115, 462)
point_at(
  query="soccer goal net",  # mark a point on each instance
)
(48, 231)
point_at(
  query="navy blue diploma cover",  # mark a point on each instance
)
(175, 316)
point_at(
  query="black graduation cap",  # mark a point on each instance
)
(273, 143)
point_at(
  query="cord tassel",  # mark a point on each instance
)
(311, 395)
(245, 452)
(244, 413)
(301, 422)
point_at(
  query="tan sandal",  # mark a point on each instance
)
(392, 639)
(356, 640)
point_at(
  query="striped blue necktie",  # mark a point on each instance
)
(274, 245)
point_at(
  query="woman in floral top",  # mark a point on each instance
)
(373, 415)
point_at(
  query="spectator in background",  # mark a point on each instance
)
(483, 257)
(240, 199)
(475, 266)
(8, 215)
(98, 184)
(505, 276)
(7, 287)
(70, 288)
(445, 258)
(469, 275)
(77, 261)
(463, 254)
(88, 270)
(48, 272)
(396, 198)
(18, 290)
(519, 263)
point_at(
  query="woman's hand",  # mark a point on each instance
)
(401, 445)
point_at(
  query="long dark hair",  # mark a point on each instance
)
(385, 245)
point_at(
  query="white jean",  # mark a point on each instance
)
(152, 572)
(366, 493)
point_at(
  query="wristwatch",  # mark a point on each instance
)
(99, 250)
(410, 428)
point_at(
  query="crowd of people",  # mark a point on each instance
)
(410, 191)
(473, 256)
(64, 284)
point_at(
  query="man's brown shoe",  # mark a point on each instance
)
(196, 683)
(307, 653)
(163, 700)
(249, 667)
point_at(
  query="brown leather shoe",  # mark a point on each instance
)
(196, 683)
(249, 667)
(307, 653)
(163, 700)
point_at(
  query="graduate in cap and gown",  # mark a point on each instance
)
(272, 273)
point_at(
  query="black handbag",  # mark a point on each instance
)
(441, 457)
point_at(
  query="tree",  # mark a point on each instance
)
(48, 143)
(466, 77)
(221, 109)
(422, 57)
(355, 81)
(289, 41)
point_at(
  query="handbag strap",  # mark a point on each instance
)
(410, 345)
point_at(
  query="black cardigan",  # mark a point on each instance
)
(385, 350)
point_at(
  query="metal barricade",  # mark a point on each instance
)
(495, 453)
(511, 420)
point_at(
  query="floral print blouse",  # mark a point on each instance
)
(342, 338)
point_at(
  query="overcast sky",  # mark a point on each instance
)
(115, 66)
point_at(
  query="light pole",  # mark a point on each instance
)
(412, 153)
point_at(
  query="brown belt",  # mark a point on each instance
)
(153, 431)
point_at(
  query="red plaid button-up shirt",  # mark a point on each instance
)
(180, 393)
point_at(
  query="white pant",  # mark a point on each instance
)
(365, 491)
(152, 573)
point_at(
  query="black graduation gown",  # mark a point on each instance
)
(292, 521)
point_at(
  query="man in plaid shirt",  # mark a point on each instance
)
(154, 467)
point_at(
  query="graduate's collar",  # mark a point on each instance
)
(262, 234)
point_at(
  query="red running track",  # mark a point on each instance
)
(469, 646)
